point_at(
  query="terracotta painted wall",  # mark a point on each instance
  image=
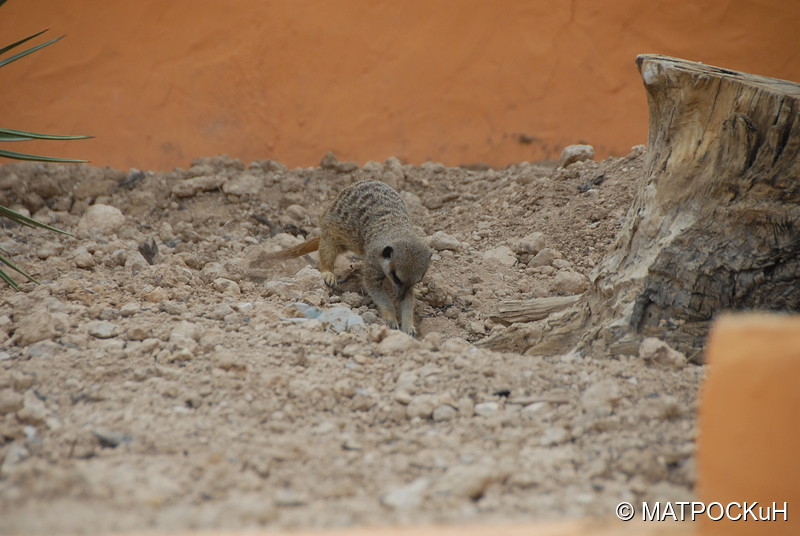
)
(161, 82)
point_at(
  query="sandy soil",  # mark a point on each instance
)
(186, 393)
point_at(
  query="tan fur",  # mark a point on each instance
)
(370, 219)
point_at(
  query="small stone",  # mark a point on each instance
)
(10, 401)
(101, 329)
(422, 406)
(130, 309)
(37, 326)
(226, 286)
(600, 398)
(33, 410)
(656, 352)
(289, 498)
(441, 241)
(455, 345)
(138, 332)
(397, 342)
(244, 184)
(530, 244)
(660, 407)
(157, 295)
(468, 481)
(135, 262)
(575, 153)
(554, 435)
(43, 349)
(545, 257)
(445, 412)
(408, 497)
(83, 259)
(21, 381)
(296, 212)
(191, 187)
(105, 219)
(486, 409)
(502, 255)
(568, 283)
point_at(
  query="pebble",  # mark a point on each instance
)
(442, 241)
(130, 309)
(37, 326)
(244, 184)
(501, 254)
(445, 412)
(226, 286)
(545, 257)
(397, 342)
(101, 329)
(657, 353)
(33, 410)
(530, 244)
(575, 153)
(486, 409)
(468, 481)
(138, 332)
(554, 435)
(105, 219)
(568, 283)
(422, 406)
(44, 348)
(83, 259)
(600, 398)
(408, 497)
(10, 401)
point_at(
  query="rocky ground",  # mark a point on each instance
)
(158, 377)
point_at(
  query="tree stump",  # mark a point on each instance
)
(715, 222)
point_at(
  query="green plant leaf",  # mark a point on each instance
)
(18, 43)
(24, 53)
(12, 215)
(7, 278)
(23, 156)
(23, 134)
(9, 137)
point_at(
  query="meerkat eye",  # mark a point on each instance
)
(387, 252)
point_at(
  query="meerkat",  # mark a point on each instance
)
(370, 219)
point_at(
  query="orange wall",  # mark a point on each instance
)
(161, 82)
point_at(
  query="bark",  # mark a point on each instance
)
(714, 224)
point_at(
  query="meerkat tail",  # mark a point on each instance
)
(302, 249)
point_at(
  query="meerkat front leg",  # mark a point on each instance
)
(328, 251)
(407, 313)
(372, 280)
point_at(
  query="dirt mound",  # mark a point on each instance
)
(195, 392)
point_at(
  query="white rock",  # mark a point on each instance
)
(104, 218)
(226, 286)
(10, 401)
(445, 412)
(408, 497)
(422, 406)
(502, 255)
(656, 352)
(575, 153)
(486, 409)
(554, 435)
(568, 283)
(600, 398)
(468, 481)
(531, 244)
(397, 342)
(545, 257)
(101, 329)
(244, 184)
(441, 241)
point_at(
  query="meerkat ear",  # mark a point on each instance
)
(387, 252)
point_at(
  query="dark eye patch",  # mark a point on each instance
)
(396, 279)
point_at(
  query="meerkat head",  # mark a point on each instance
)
(404, 262)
